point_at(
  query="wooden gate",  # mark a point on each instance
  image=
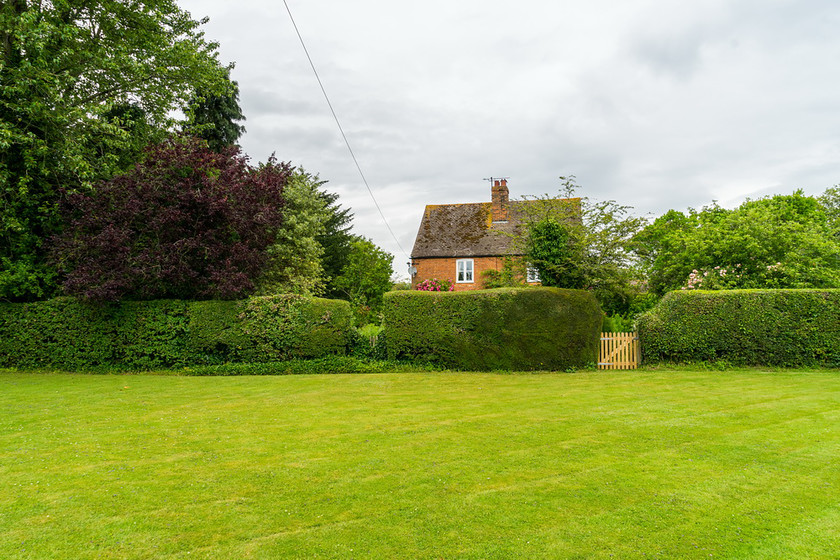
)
(619, 351)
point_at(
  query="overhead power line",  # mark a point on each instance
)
(341, 129)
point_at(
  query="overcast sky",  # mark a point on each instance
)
(654, 103)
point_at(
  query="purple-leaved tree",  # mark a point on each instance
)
(186, 223)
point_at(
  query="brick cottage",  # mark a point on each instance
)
(457, 242)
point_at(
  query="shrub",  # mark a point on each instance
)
(435, 285)
(618, 323)
(744, 327)
(70, 334)
(368, 342)
(504, 329)
(150, 334)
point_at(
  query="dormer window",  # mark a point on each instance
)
(464, 271)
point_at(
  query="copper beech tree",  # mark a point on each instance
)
(186, 223)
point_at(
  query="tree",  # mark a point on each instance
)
(366, 277)
(586, 248)
(783, 241)
(830, 202)
(662, 248)
(295, 256)
(556, 254)
(125, 148)
(187, 223)
(212, 116)
(336, 241)
(75, 78)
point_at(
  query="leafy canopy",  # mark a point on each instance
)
(213, 116)
(830, 202)
(555, 254)
(84, 84)
(295, 257)
(783, 241)
(336, 240)
(187, 223)
(366, 276)
(580, 243)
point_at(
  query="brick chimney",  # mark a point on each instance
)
(499, 196)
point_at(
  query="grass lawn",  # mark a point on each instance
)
(647, 464)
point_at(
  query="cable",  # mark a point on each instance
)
(340, 129)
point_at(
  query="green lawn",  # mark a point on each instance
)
(641, 464)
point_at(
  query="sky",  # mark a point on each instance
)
(653, 103)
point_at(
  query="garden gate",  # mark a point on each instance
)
(619, 351)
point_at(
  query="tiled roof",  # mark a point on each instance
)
(467, 230)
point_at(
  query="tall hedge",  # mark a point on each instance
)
(69, 334)
(744, 327)
(506, 328)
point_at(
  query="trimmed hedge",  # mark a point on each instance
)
(501, 329)
(69, 334)
(744, 327)
(316, 366)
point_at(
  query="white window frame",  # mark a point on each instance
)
(532, 274)
(464, 271)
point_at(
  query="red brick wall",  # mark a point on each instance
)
(444, 269)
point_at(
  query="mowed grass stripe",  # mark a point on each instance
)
(589, 465)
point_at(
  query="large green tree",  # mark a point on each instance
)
(783, 241)
(295, 258)
(365, 278)
(336, 240)
(83, 84)
(556, 254)
(214, 116)
(575, 242)
(830, 202)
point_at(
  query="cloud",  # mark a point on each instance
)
(655, 104)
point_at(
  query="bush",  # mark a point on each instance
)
(64, 332)
(368, 342)
(618, 323)
(70, 334)
(268, 329)
(504, 329)
(435, 285)
(785, 328)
